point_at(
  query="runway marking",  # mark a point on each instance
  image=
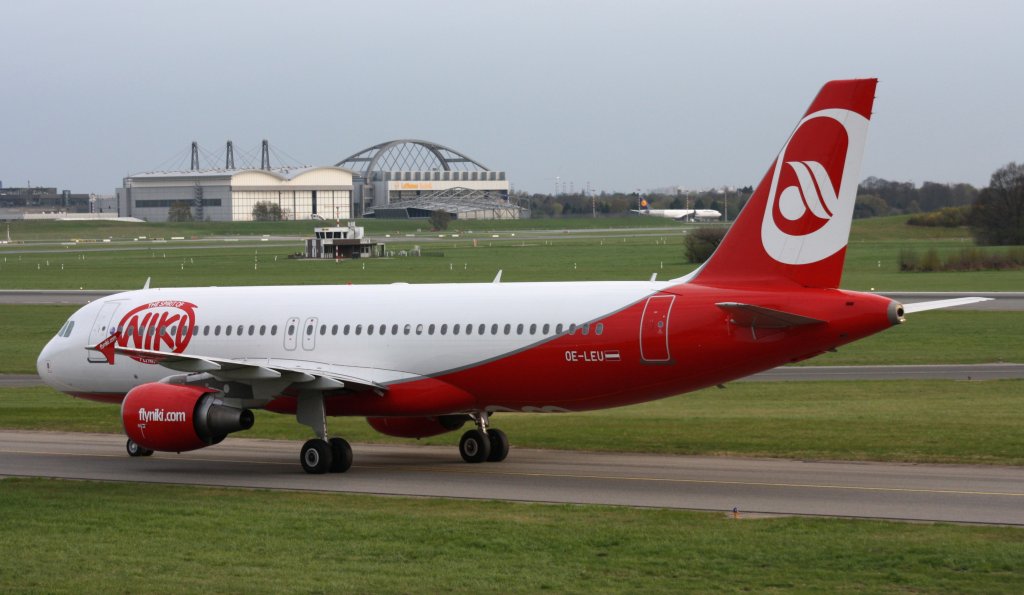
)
(699, 481)
(477, 471)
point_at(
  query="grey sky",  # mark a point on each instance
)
(625, 95)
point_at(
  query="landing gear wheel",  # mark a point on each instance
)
(341, 455)
(474, 446)
(499, 445)
(134, 450)
(315, 456)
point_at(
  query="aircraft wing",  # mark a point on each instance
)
(761, 317)
(935, 305)
(307, 377)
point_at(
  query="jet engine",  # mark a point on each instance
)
(417, 427)
(176, 418)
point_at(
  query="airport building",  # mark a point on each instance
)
(401, 179)
(233, 194)
(409, 179)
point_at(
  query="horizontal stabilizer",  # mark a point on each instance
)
(937, 304)
(761, 317)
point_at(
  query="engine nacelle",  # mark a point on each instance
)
(176, 418)
(417, 427)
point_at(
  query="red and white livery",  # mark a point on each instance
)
(189, 364)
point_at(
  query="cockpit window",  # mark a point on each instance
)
(65, 331)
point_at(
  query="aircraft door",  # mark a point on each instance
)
(291, 333)
(101, 328)
(654, 346)
(309, 334)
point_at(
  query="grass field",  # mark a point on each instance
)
(980, 337)
(872, 259)
(918, 421)
(91, 537)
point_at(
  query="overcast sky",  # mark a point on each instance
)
(623, 95)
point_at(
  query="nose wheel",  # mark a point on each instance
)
(135, 450)
(483, 443)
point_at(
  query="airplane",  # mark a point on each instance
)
(189, 365)
(677, 214)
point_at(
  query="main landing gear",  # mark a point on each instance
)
(320, 455)
(484, 443)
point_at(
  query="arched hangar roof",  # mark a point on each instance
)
(410, 155)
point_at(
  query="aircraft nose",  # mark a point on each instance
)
(47, 364)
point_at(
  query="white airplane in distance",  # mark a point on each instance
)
(188, 365)
(678, 214)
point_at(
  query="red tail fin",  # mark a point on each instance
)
(795, 228)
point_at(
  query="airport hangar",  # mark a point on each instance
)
(400, 179)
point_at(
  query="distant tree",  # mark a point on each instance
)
(700, 243)
(997, 216)
(869, 205)
(266, 211)
(179, 211)
(440, 219)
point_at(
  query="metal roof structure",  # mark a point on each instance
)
(463, 203)
(410, 155)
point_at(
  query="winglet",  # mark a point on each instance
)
(146, 286)
(497, 278)
(106, 347)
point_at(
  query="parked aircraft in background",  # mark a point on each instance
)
(189, 365)
(678, 214)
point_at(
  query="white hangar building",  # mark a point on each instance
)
(230, 195)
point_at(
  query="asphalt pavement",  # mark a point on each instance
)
(952, 493)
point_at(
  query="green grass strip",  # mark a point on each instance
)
(92, 537)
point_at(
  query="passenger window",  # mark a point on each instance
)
(273, 331)
(599, 329)
(533, 329)
(323, 329)
(227, 330)
(482, 329)
(444, 329)
(334, 330)
(347, 329)
(206, 330)
(469, 329)
(309, 330)
(195, 331)
(173, 331)
(586, 329)
(252, 329)
(383, 330)
(572, 329)
(558, 329)
(394, 329)
(519, 329)
(508, 328)
(216, 330)
(263, 329)
(408, 328)
(359, 329)
(430, 330)
(419, 329)
(455, 329)
(291, 330)
(494, 329)
(369, 329)
(239, 333)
